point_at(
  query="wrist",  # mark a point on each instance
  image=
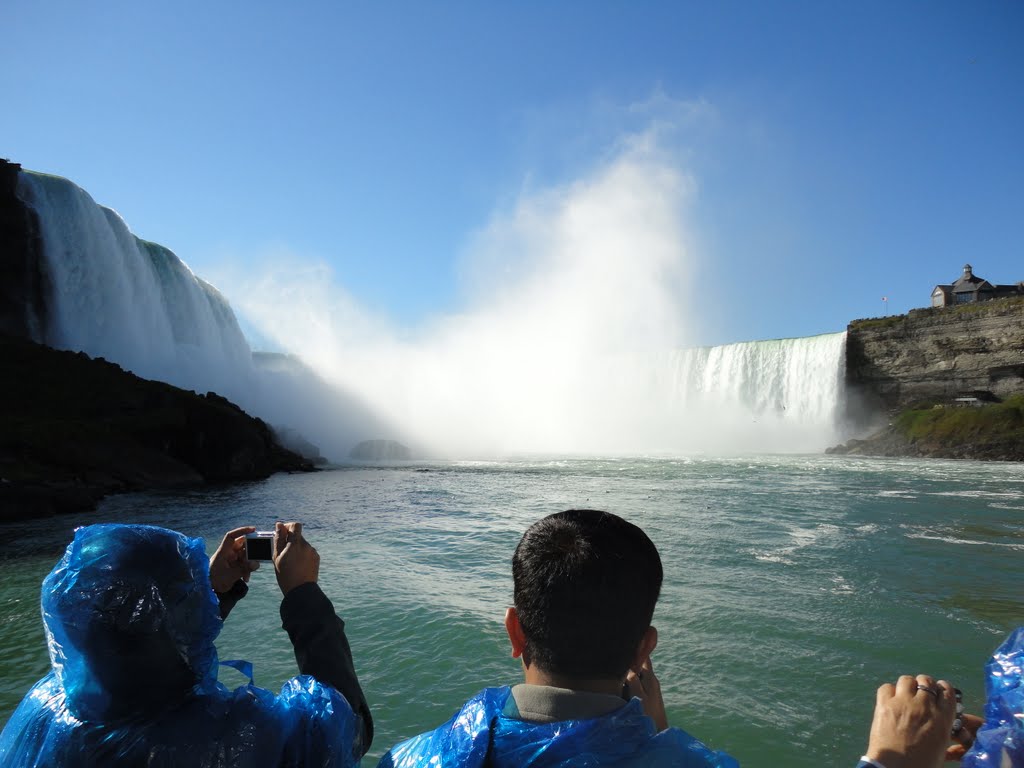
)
(887, 758)
(290, 585)
(868, 762)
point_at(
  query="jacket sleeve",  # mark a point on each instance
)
(321, 648)
(228, 600)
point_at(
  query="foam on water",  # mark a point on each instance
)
(418, 565)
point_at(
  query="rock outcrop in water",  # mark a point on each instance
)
(74, 429)
(380, 450)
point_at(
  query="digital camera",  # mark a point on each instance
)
(259, 545)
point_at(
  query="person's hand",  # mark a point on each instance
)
(911, 725)
(644, 684)
(229, 563)
(295, 560)
(965, 738)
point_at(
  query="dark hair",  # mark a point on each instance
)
(585, 587)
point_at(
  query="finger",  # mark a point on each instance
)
(927, 686)
(650, 680)
(947, 694)
(295, 536)
(248, 566)
(972, 723)
(280, 539)
(906, 685)
(924, 685)
(885, 692)
(634, 685)
(235, 533)
(954, 753)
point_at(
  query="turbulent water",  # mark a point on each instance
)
(794, 585)
(136, 303)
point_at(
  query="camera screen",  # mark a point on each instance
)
(259, 549)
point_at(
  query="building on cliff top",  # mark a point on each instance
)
(969, 288)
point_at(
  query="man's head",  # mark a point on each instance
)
(585, 587)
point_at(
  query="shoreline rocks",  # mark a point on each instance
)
(74, 429)
(990, 432)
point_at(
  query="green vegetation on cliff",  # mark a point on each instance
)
(989, 432)
(998, 422)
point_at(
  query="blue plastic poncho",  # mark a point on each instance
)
(130, 621)
(1003, 731)
(479, 734)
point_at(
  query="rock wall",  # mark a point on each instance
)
(935, 355)
(73, 429)
(23, 285)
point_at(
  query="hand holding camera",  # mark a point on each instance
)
(231, 562)
(295, 560)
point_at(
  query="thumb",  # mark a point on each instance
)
(634, 686)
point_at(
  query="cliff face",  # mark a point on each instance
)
(936, 355)
(73, 429)
(23, 284)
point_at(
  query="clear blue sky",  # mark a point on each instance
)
(838, 152)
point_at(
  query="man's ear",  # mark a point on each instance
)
(648, 643)
(515, 632)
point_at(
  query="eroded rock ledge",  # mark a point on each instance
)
(74, 429)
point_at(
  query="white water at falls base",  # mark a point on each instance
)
(137, 304)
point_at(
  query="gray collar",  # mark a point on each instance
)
(546, 704)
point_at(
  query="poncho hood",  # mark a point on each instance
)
(130, 620)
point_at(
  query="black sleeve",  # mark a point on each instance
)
(321, 648)
(227, 600)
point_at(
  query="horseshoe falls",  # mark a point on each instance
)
(779, 396)
(134, 302)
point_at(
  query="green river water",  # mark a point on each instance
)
(794, 585)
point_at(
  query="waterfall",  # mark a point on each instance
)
(130, 301)
(780, 395)
(800, 381)
(137, 304)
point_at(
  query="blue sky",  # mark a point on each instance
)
(829, 153)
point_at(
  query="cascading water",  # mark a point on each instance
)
(779, 395)
(137, 304)
(128, 300)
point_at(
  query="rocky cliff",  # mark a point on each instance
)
(23, 286)
(73, 429)
(933, 356)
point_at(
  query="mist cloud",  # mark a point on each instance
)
(562, 289)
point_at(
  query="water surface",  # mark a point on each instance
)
(793, 585)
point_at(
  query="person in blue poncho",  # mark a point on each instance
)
(999, 739)
(131, 613)
(586, 583)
